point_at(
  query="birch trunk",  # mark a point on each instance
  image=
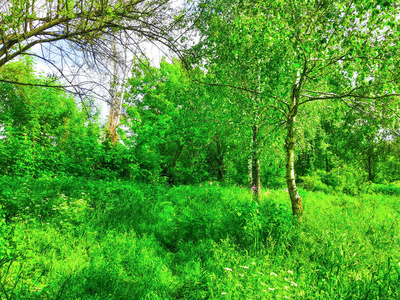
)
(297, 207)
(255, 170)
(250, 170)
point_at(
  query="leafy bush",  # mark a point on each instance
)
(344, 179)
(388, 169)
(386, 189)
(314, 182)
(5, 236)
(191, 214)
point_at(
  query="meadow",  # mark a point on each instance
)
(71, 238)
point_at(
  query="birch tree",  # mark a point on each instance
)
(231, 49)
(311, 51)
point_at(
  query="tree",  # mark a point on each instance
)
(230, 46)
(119, 75)
(37, 123)
(361, 138)
(80, 33)
(165, 114)
(313, 51)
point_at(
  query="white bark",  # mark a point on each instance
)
(297, 207)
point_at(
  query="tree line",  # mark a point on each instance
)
(262, 93)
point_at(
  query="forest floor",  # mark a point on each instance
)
(71, 238)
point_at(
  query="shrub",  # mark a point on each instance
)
(344, 179)
(313, 182)
(386, 189)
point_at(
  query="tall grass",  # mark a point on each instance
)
(70, 238)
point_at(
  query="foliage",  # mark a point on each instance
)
(385, 189)
(176, 131)
(165, 211)
(293, 53)
(79, 31)
(344, 179)
(45, 133)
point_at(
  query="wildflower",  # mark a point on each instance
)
(200, 185)
(287, 190)
(27, 207)
(271, 289)
(293, 283)
(274, 274)
(241, 275)
(228, 269)
(223, 293)
(254, 188)
(210, 182)
(244, 267)
(290, 272)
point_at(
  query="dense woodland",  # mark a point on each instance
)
(258, 160)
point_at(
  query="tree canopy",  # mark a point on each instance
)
(271, 93)
(74, 36)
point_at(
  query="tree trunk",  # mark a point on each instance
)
(115, 105)
(250, 170)
(220, 159)
(370, 170)
(297, 207)
(327, 162)
(255, 170)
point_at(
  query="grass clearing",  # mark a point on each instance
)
(69, 238)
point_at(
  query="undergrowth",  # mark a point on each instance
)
(69, 238)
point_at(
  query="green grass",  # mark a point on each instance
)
(70, 238)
